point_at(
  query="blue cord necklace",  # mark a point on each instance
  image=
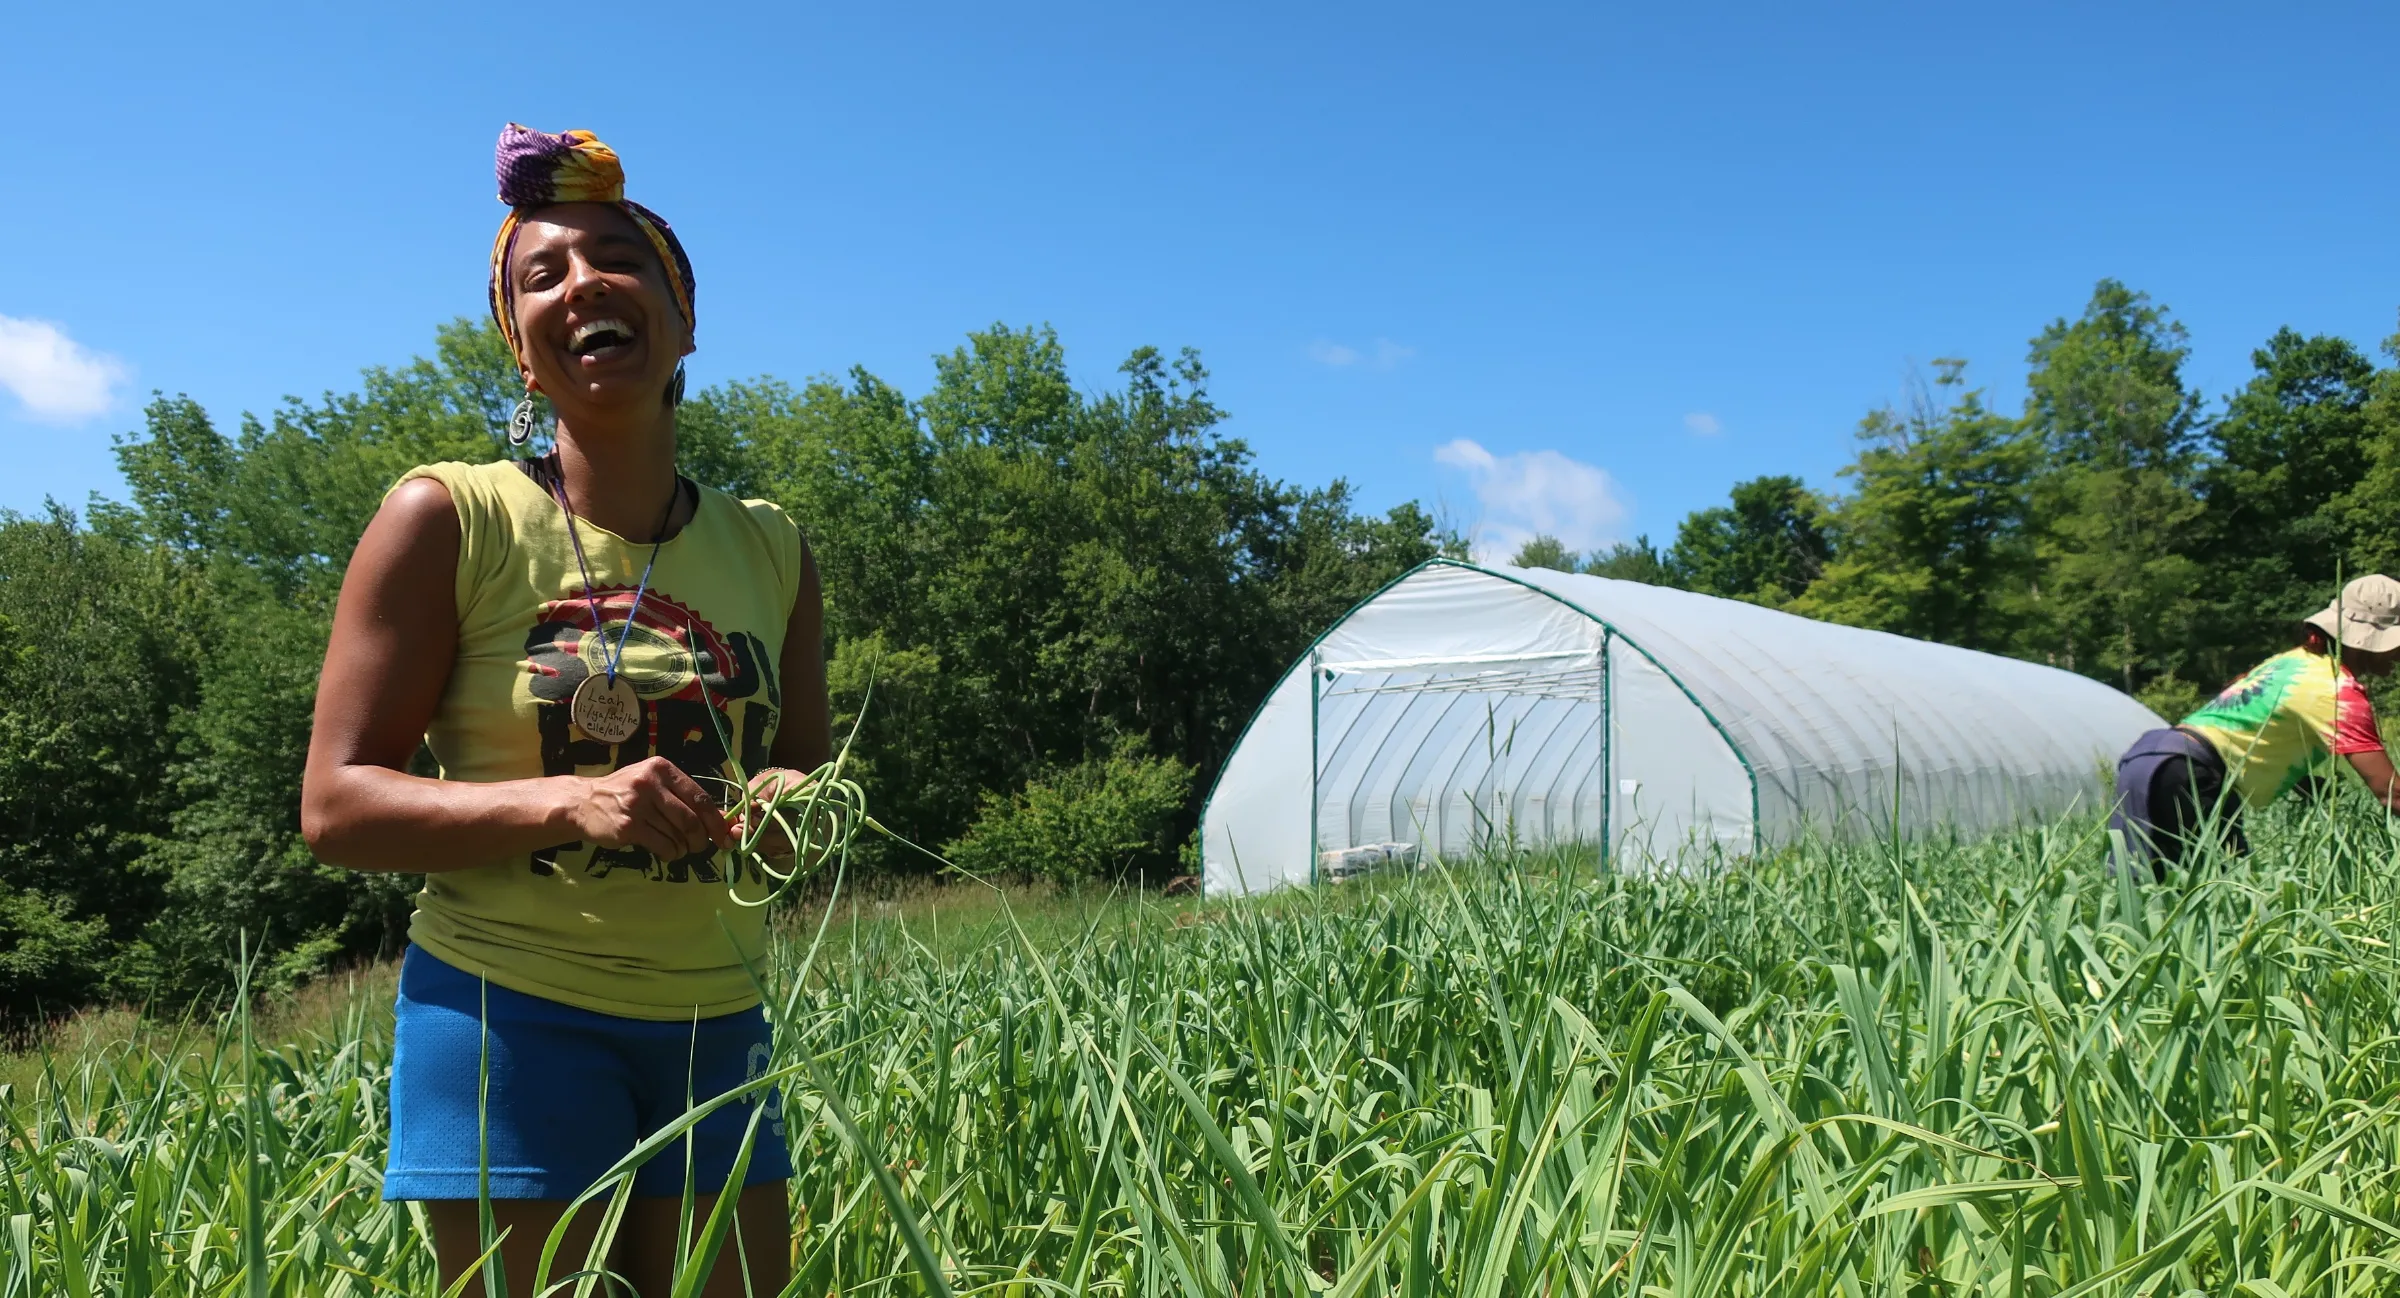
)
(606, 706)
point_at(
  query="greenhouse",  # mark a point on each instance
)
(1464, 707)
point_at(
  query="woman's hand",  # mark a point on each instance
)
(650, 805)
(775, 845)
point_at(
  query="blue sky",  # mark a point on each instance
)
(1570, 267)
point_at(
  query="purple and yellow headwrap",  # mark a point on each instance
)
(537, 169)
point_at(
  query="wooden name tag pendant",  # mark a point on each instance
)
(607, 710)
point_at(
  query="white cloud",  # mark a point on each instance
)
(56, 379)
(1700, 423)
(1384, 354)
(1534, 492)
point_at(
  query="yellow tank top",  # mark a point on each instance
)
(608, 929)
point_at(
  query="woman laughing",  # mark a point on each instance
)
(578, 639)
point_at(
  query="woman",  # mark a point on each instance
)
(576, 639)
(2277, 728)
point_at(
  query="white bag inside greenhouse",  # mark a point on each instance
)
(1464, 707)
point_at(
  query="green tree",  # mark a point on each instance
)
(1933, 540)
(97, 658)
(2114, 509)
(1545, 551)
(1038, 579)
(1766, 546)
(2275, 523)
(2368, 513)
(181, 471)
(1634, 560)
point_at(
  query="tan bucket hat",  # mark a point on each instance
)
(2366, 616)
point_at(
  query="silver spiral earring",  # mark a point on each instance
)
(675, 389)
(520, 424)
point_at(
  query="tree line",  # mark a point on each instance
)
(2118, 525)
(1064, 604)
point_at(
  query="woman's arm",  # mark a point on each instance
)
(2376, 769)
(395, 636)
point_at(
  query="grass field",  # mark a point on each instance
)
(1940, 1070)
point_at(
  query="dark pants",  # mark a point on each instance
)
(2172, 796)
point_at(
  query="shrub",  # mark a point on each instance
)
(50, 960)
(2172, 697)
(1095, 820)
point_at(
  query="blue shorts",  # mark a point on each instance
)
(571, 1092)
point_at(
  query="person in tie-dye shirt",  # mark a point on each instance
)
(2289, 722)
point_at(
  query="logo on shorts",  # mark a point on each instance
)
(762, 1056)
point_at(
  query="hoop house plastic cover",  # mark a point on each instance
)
(1464, 705)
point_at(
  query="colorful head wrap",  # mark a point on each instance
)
(537, 169)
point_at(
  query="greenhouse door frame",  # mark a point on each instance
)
(1608, 748)
(1316, 668)
(1605, 731)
